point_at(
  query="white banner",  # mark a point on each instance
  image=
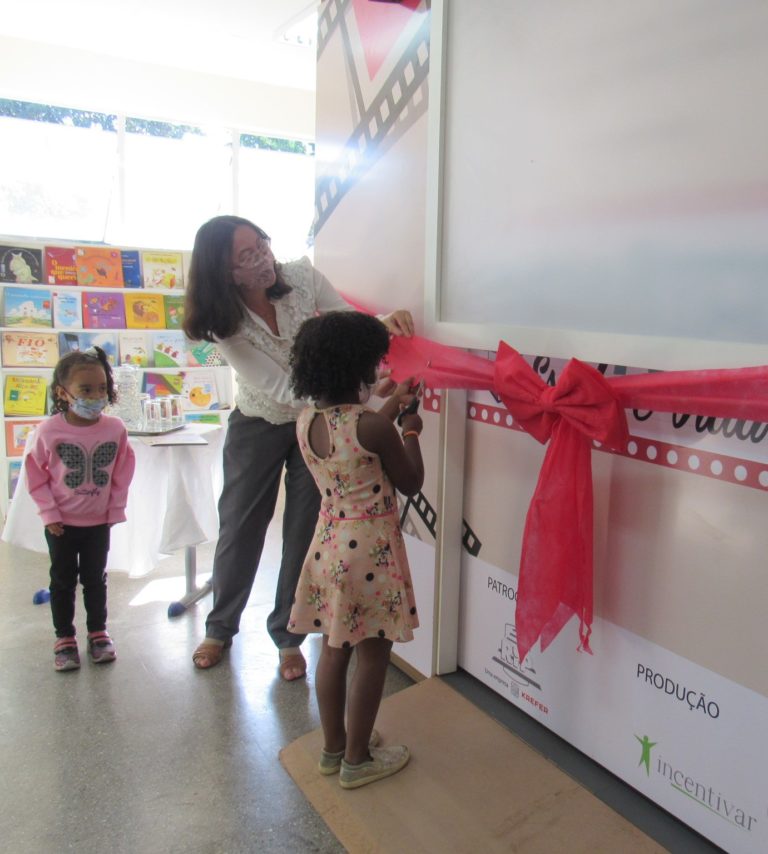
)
(685, 737)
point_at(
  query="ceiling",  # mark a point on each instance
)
(232, 38)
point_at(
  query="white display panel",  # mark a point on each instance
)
(600, 178)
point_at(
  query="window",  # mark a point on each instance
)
(87, 176)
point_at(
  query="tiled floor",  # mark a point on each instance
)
(147, 754)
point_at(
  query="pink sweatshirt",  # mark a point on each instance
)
(80, 475)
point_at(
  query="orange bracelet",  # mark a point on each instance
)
(411, 433)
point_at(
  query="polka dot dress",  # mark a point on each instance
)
(355, 582)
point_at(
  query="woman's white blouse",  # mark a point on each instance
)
(261, 359)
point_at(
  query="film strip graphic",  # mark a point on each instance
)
(328, 19)
(426, 512)
(402, 99)
(718, 466)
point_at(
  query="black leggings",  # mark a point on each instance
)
(78, 552)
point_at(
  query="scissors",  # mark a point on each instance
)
(413, 406)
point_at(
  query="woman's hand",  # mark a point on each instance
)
(399, 322)
(55, 528)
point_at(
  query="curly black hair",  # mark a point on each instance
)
(76, 359)
(336, 352)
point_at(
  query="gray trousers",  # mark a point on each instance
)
(255, 453)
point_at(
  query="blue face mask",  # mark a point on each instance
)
(88, 408)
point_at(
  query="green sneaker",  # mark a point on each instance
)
(384, 762)
(330, 763)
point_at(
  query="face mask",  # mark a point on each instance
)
(88, 408)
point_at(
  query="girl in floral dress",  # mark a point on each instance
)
(355, 586)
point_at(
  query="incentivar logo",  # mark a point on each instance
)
(697, 790)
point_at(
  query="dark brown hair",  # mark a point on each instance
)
(76, 359)
(212, 305)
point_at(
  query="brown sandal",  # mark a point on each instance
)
(293, 663)
(211, 652)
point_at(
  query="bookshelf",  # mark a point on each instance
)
(137, 322)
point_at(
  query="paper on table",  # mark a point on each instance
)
(180, 438)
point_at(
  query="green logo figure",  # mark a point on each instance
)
(645, 757)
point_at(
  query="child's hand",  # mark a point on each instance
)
(55, 528)
(412, 422)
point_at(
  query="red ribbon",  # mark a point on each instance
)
(555, 578)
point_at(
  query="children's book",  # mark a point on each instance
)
(174, 311)
(30, 349)
(67, 310)
(131, 259)
(199, 390)
(161, 385)
(144, 311)
(60, 267)
(16, 435)
(99, 266)
(103, 310)
(162, 270)
(27, 307)
(169, 349)
(69, 341)
(203, 354)
(14, 471)
(25, 394)
(21, 265)
(133, 349)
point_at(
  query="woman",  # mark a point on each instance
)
(252, 307)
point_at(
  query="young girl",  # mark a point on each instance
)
(355, 585)
(78, 469)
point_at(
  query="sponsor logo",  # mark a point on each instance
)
(700, 791)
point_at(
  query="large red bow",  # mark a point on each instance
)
(555, 578)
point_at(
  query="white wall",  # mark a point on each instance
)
(30, 71)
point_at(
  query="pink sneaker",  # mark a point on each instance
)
(100, 647)
(65, 654)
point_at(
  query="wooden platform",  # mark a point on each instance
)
(470, 786)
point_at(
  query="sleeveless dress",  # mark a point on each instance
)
(355, 582)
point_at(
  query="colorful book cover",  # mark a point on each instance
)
(99, 265)
(161, 385)
(199, 390)
(14, 471)
(16, 435)
(103, 310)
(131, 260)
(162, 270)
(144, 311)
(21, 265)
(203, 354)
(169, 349)
(25, 395)
(60, 267)
(174, 311)
(30, 349)
(133, 349)
(27, 307)
(67, 310)
(69, 341)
